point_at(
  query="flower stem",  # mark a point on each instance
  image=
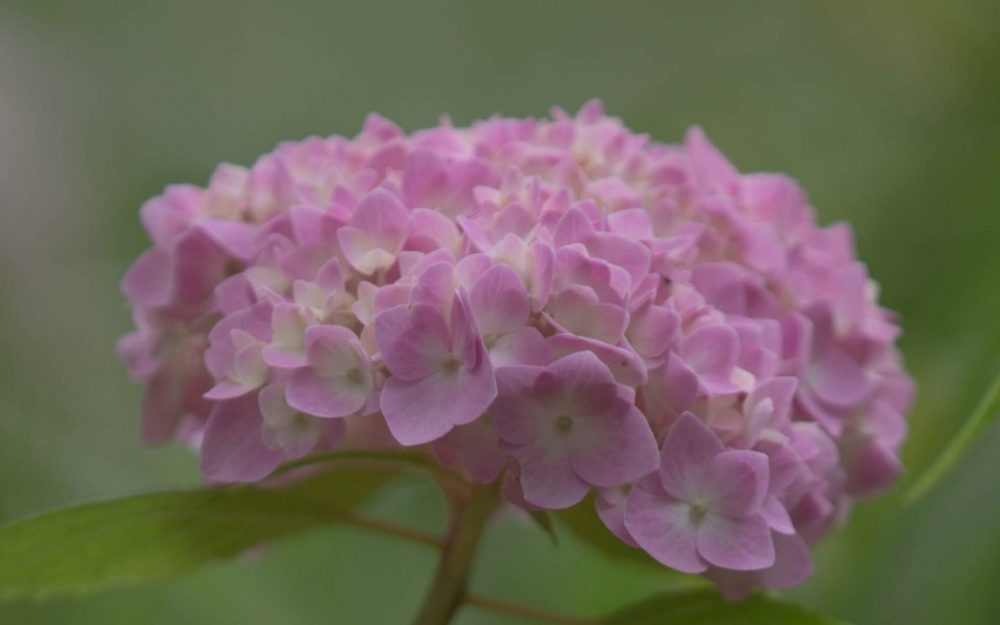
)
(530, 613)
(449, 586)
(983, 414)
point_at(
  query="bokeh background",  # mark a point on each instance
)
(887, 112)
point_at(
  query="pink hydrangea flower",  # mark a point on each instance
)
(703, 506)
(558, 304)
(338, 378)
(571, 426)
(440, 373)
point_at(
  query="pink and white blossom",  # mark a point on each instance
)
(570, 427)
(703, 506)
(441, 375)
(561, 305)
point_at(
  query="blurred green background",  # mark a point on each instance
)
(887, 112)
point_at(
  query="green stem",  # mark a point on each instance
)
(449, 586)
(982, 415)
(528, 613)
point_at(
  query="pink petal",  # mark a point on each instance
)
(810, 407)
(652, 329)
(233, 450)
(573, 227)
(871, 467)
(737, 480)
(779, 392)
(362, 253)
(796, 337)
(199, 265)
(762, 248)
(312, 226)
(162, 406)
(820, 317)
(431, 230)
(539, 278)
(413, 341)
(514, 219)
(615, 450)
(630, 255)
(850, 302)
(383, 218)
(499, 301)
(423, 177)
(547, 477)
(777, 515)
(527, 346)
(626, 366)
(381, 127)
(325, 396)
(885, 423)
(634, 223)
(165, 216)
(465, 339)
(723, 284)
(785, 465)
(375, 233)
(471, 268)
(435, 286)
(712, 351)
(148, 282)
(234, 294)
(235, 238)
(421, 411)
(249, 368)
(675, 385)
(837, 379)
(475, 448)
(289, 323)
(733, 585)
(792, 566)
(304, 263)
(332, 350)
(774, 198)
(610, 505)
(586, 376)
(413, 410)
(284, 357)
(516, 408)
(792, 563)
(613, 192)
(689, 447)
(716, 172)
(227, 389)
(739, 544)
(591, 112)
(255, 321)
(663, 527)
(579, 314)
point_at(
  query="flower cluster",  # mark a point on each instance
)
(559, 304)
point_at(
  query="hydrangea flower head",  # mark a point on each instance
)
(560, 304)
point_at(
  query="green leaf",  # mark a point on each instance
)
(983, 414)
(403, 460)
(141, 539)
(582, 521)
(704, 606)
